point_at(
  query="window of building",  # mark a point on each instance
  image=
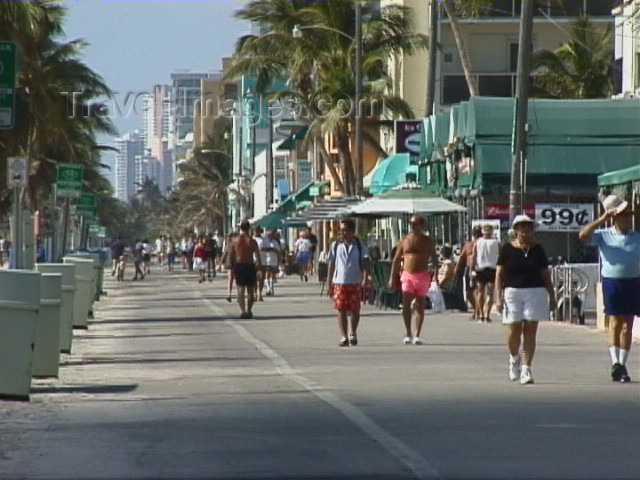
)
(454, 89)
(513, 56)
(496, 85)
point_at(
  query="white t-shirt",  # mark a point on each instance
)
(303, 245)
(160, 245)
(487, 251)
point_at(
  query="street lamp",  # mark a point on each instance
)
(297, 33)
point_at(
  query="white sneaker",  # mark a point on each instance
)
(407, 340)
(526, 378)
(514, 370)
(417, 341)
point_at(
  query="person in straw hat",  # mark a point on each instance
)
(525, 296)
(619, 249)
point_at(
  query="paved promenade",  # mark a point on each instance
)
(168, 383)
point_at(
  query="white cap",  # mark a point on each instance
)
(522, 219)
(613, 202)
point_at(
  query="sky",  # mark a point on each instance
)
(135, 44)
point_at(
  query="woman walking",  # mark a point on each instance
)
(619, 249)
(200, 258)
(524, 294)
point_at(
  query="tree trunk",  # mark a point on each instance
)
(335, 176)
(344, 147)
(462, 48)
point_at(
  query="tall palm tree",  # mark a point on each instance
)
(50, 127)
(321, 65)
(200, 198)
(580, 68)
(464, 8)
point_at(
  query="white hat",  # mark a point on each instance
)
(522, 219)
(613, 202)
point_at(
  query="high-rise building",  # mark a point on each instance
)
(185, 91)
(157, 132)
(129, 146)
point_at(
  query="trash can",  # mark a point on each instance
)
(83, 298)
(46, 353)
(68, 293)
(19, 304)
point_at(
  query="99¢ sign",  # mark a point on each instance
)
(563, 217)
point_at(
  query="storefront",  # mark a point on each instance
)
(467, 158)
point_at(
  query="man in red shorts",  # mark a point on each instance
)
(348, 268)
(414, 253)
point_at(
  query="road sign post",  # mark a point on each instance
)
(7, 85)
(68, 185)
(17, 179)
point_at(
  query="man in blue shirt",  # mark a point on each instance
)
(348, 269)
(620, 259)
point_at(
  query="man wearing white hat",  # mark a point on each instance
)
(619, 249)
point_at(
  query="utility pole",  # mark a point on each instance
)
(359, 113)
(433, 57)
(521, 104)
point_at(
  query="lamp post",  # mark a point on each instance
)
(359, 145)
(297, 33)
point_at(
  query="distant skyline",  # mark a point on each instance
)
(137, 44)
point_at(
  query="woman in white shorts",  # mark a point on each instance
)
(524, 295)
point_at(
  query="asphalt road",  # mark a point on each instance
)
(168, 383)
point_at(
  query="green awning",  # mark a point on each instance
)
(556, 160)
(619, 177)
(272, 220)
(290, 143)
(303, 204)
(302, 195)
(390, 173)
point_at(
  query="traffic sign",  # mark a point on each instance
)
(17, 172)
(69, 182)
(7, 84)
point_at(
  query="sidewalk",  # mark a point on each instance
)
(166, 382)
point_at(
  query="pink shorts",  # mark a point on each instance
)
(416, 284)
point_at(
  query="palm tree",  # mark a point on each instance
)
(321, 64)
(200, 198)
(50, 127)
(465, 8)
(581, 68)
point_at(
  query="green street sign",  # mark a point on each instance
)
(94, 228)
(103, 232)
(7, 84)
(69, 182)
(86, 202)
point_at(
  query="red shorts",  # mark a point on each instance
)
(416, 284)
(347, 297)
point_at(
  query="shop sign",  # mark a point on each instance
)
(563, 217)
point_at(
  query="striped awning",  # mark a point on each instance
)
(326, 210)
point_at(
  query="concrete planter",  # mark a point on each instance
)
(67, 271)
(19, 304)
(84, 282)
(46, 354)
(98, 270)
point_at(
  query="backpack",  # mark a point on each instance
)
(358, 245)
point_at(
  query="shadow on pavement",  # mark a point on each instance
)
(94, 389)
